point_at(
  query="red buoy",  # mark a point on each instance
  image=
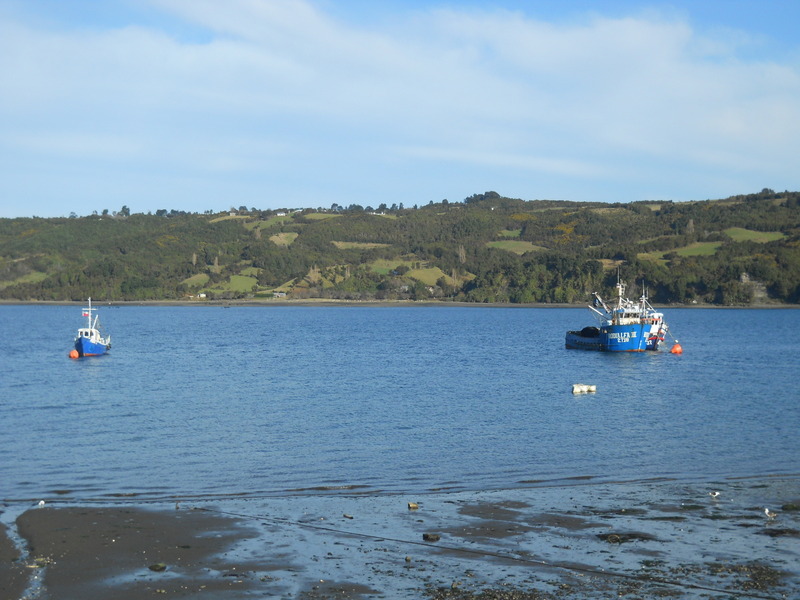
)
(73, 353)
(676, 349)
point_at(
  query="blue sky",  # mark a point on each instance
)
(206, 105)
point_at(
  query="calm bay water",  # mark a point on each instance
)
(271, 400)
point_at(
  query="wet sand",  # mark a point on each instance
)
(577, 540)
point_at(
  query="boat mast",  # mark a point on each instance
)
(89, 323)
(620, 290)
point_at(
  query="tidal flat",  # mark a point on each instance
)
(573, 539)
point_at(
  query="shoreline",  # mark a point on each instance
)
(319, 302)
(639, 539)
(284, 302)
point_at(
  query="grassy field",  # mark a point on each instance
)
(385, 266)
(610, 210)
(699, 249)
(238, 283)
(319, 216)
(428, 276)
(609, 264)
(358, 245)
(738, 234)
(695, 249)
(268, 223)
(198, 280)
(515, 246)
(229, 218)
(425, 274)
(33, 277)
(656, 257)
(283, 239)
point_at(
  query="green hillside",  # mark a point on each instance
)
(488, 248)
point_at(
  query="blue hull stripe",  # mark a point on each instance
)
(623, 338)
(614, 338)
(87, 348)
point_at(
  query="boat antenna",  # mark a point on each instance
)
(88, 311)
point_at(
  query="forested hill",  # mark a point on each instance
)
(735, 251)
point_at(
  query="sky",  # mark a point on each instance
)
(207, 105)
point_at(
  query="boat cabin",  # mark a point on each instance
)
(91, 334)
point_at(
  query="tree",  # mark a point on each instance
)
(572, 249)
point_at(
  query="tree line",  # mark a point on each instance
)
(734, 251)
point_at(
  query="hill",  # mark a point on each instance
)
(488, 248)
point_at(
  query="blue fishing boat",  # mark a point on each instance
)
(628, 326)
(89, 341)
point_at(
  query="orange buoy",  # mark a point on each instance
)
(676, 349)
(73, 353)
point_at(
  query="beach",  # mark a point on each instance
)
(574, 539)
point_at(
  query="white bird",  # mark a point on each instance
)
(714, 495)
(41, 503)
(770, 515)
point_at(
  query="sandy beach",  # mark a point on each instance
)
(577, 539)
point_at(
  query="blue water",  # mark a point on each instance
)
(271, 400)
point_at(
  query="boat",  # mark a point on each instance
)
(89, 341)
(627, 326)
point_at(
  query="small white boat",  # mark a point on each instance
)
(89, 341)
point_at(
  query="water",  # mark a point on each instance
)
(204, 401)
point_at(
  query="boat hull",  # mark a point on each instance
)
(613, 338)
(587, 338)
(86, 347)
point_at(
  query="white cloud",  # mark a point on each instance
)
(283, 95)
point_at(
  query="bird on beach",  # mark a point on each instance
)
(770, 515)
(41, 503)
(714, 495)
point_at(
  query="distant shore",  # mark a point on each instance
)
(350, 303)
